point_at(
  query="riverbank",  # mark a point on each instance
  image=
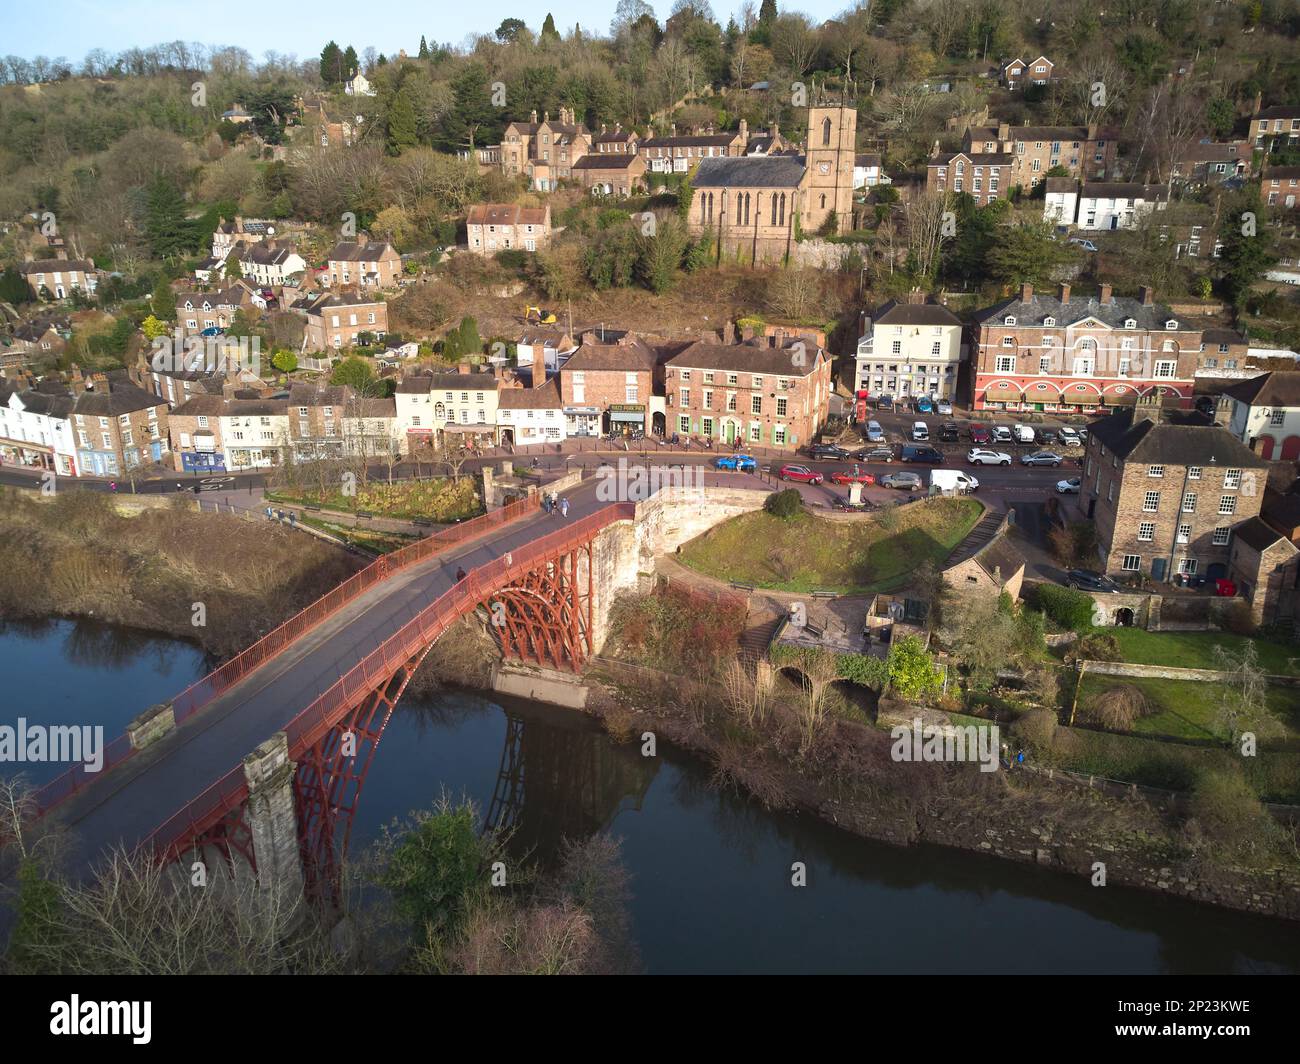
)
(214, 580)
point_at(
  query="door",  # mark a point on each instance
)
(1291, 448)
(1158, 567)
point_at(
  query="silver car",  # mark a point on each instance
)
(979, 456)
(904, 480)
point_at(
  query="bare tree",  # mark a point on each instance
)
(928, 226)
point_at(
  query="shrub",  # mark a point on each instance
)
(1228, 814)
(784, 504)
(1095, 646)
(1117, 708)
(1036, 729)
(1067, 607)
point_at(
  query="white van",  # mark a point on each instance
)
(1023, 433)
(920, 430)
(956, 481)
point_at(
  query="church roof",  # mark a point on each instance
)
(781, 171)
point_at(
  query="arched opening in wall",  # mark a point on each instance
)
(1291, 448)
(1124, 617)
(508, 437)
(823, 201)
(658, 423)
(1266, 444)
(826, 131)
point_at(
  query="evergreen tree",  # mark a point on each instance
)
(401, 124)
(331, 64)
(234, 271)
(13, 288)
(424, 48)
(471, 118)
(549, 32)
(1247, 247)
(350, 63)
(166, 228)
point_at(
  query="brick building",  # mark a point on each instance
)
(1167, 498)
(985, 176)
(119, 427)
(1084, 152)
(609, 386)
(611, 175)
(749, 394)
(493, 227)
(59, 277)
(337, 319)
(1072, 353)
(434, 406)
(368, 265)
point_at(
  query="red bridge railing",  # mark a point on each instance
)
(315, 721)
(215, 683)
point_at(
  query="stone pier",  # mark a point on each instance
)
(273, 823)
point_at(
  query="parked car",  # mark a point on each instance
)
(980, 434)
(1068, 487)
(948, 432)
(920, 430)
(1090, 580)
(903, 480)
(943, 408)
(800, 473)
(744, 463)
(874, 454)
(1002, 434)
(1023, 433)
(979, 456)
(919, 452)
(923, 405)
(954, 480)
(1050, 458)
(1047, 435)
(1087, 245)
(855, 475)
(874, 433)
(828, 450)
(885, 402)
(1069, 437)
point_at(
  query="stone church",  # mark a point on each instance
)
(756, 207)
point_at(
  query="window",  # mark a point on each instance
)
(1045, 364)
(1147, 531)
(781, 405)
(1277, 417)
(1049, 322)
(1184, 534)
(1189, 503)
(684, 425)
(684, 397)
(1166, 369)
(1187, 566)
(1194, 472)
(1006, 363)
(1132, 563)
(1151, 502)
(1155, 471)
(1221, 535)
(1227, 504)
(755, 404)
(896, 347)
(1009, 320)
(708, 399)
(1008, 341)
(1231, 479)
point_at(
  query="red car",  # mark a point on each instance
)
(851, 476)
(979, 434)
(799, 473)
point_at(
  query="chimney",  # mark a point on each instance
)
(1026, 292)
(1103, 296)
(546, 116)
(539, 368)
(1065, 293)
(673, 127)
(532, 116)
(747, 334)
(728, 333)
(1092, 131)
(602, 129)
(744, 131)
(462, 367)
(778, 338)
(1148, 296)
(1004, 131)
(1259, 103)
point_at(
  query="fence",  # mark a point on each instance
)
(215, 683)
(314, 722)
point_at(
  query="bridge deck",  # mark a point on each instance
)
(127, 804)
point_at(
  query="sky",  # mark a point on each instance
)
(71, 28)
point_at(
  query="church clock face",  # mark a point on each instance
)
(825, 168)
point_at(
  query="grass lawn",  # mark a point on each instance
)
(380, 542)
(441, 500)
(809, 553)
(1187, 709)
(1195, 650)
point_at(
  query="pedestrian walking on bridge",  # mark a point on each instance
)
(564, 507)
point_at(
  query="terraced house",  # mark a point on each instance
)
(119, 427)
(58, 278)
(1073, 354)
(759, 393)
(434, 408)
(363, 265)
(1084, 152)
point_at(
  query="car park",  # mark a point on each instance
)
(1090, 580)
(948, 432)
(874, 433)
(1069, 487)
(943, 408)
(1050, 458)
(902, 480)
(979, 434)
(854, 475)
(828, 450)
(800, 473)
(980, 456)
(874, 454)
(920, 430)
(919, 452)
(743, 463)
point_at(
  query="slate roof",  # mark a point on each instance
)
(1114, 313)
(1279, 111)
(543, 397)
(746, 358)
(1134, 437)
(999, 558)
(109, 400)
(1278, 388)
(896, 313)
(1124, 190)
(1281, 173)
(351, 251)
(609, 161)
(1257, 534)
(1070, 133)
(422, 383)
(691, 140)
(56, 266)
(773, 171)
(633, 355)
(505, 214)
(976, 158)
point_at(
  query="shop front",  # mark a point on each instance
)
(28, 455)
(582, 421)
(627, 419)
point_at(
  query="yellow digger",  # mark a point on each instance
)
(538, 316)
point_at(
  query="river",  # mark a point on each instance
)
(710, 870)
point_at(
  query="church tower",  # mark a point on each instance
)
(828, 184)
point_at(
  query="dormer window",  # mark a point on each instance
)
(1049, 322)
(1129, 323)
(1171, 325)
(1009, 320)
